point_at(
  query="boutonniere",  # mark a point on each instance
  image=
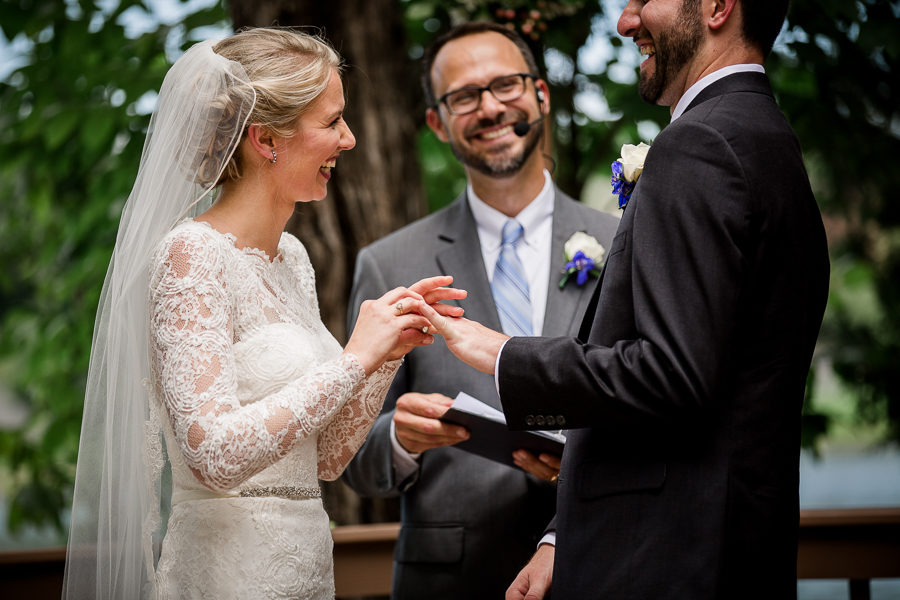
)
(627, 169)
(585, 257)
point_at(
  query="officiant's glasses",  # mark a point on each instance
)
(505, 88)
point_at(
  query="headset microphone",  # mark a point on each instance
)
(522, 128)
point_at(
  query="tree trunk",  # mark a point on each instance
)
(377, 187)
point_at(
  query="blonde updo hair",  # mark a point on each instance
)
(288, 70)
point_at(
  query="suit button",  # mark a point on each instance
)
(551, 420)
(529, 420)
(539, 419)
(560, 420)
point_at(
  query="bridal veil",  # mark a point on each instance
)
(204, 104)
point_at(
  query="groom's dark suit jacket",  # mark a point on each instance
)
(469, 524)
(680, 478)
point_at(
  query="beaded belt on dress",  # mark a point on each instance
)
(292, 492)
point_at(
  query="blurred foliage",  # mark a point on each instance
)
(70, 142)
(836, 76)
(73, 118)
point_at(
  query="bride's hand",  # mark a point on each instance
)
(391, 326)
(434, 291)
(471, 342)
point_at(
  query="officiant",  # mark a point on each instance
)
(468, 523)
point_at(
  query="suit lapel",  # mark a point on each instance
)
(460, 256)
(565, 307)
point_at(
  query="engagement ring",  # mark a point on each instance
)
(425, 329)
(399, 308)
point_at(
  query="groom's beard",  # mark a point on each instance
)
(493, 165)
(674, 48)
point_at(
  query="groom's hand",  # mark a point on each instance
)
(533, 582)
(471, 342)
(418, 425)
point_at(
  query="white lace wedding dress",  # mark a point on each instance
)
(257, 403)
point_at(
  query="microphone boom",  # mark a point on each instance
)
(522, 128)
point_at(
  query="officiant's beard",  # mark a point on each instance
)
(498, 166)
(674, 49)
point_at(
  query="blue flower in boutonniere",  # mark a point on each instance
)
(627, 169)
(585, 257)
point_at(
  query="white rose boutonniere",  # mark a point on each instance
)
(627, 169)
(585, 257)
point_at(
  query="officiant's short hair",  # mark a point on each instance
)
(466, 29)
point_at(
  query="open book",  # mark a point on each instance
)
(490, 436)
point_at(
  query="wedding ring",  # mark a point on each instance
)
(399, 308)
(425, 329)
(554, 478)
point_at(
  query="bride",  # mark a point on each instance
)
(216, 368)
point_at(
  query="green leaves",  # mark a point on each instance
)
(70, 144)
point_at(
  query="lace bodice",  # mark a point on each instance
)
(256, 390)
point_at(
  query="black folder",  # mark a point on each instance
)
(489, 436)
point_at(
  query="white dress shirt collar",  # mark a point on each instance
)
(490, 221)
(704, 82)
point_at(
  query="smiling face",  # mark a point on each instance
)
(305, 160)
(668, 33)
(484, 140)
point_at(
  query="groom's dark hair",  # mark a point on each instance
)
(762, 20)
(463, 30)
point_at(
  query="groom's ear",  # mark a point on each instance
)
(433, 119)
(721, 11)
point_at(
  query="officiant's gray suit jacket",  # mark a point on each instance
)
(469, 524)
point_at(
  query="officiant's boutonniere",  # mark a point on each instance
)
(585, 257)
(627, 169)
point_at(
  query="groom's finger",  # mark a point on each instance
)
(440, 323)
(448, 310)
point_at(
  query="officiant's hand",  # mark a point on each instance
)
(418, 426)
(471, 342)
(533, 581)
(545, 466)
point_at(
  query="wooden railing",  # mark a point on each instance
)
(853, 544)
(856, 545)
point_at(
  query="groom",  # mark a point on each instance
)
(684, 388)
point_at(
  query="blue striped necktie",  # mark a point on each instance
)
(509, 286)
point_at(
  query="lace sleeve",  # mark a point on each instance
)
(340, 440)
(191, 336)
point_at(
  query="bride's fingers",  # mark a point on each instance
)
(440, 324)
(406, 304)
(423, 286)
(415, 337)
(444, 293)
(414, 321)
(396, 295)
